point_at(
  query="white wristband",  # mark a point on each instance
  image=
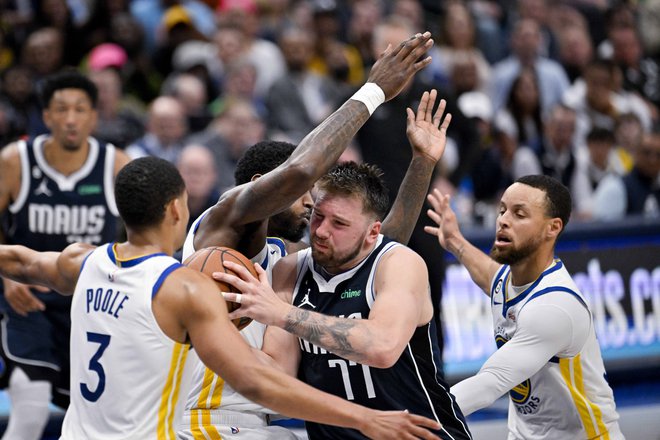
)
(370, 95)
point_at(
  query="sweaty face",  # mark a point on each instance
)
(520, 224)
(338, 231)
(70, 118)
(292, 223)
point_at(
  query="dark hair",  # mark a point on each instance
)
(143, 188)
(67, 79)
(558, 197)
(598, 134)
(261, 158)
(363, 180)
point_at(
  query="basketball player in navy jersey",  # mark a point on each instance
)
(136, 313)
(268, 177)
(55, 190)
(356, 309)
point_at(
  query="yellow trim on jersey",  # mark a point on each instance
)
(589, 412)
(124, 260)
(212, 385)
(170, 394)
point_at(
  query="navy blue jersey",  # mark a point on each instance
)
(412, 383)
(52, 210)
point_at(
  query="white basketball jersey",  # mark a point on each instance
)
(209, 392)
(568, 398)
(128, 379)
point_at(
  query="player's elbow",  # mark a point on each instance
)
(383, 355)
(300, 171)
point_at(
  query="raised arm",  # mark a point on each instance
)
(204, 315)
(481, 267)
(402, 304)
(428, 139)
(55, 270)
(321, 148)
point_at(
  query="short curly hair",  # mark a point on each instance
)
(261, 158)
(143, 188)
(67, 79)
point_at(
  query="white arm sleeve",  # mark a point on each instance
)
(546, 327)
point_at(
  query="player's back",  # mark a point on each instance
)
(128, 379)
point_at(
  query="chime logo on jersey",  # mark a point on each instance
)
(351, 293)
(64, 219)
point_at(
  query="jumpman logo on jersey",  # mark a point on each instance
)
(43, 189)
(306, 301)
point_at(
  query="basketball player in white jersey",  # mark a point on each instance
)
(136, 312)
(260, 206)
(548, 358)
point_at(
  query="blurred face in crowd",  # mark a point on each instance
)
(167, 120)
(197, 168)
(560, 127)
(298, 48)
(647, 157)
(600, 84)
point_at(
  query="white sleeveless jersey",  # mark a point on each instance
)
(210, 394)
(128, 379)
(569, 397)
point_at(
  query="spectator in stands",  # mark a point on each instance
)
(298, 101)
(457, 45)
(641, 74)
(120, 122)
(575, 50)
(628, 132)
(643, 182)
(526, 47)
(231, 132)
(522, 112)
(17, 90)
(166, 129)
(197, 168)
(332, 57)
(595, 183)
(263, 54)
(556, 156)
(43, 52)
(598, 99)
(191, 93)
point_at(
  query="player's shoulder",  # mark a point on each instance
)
(10, 153)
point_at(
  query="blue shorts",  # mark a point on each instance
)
(39, 342)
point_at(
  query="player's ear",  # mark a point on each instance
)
(255, 177)
(176, 208)
(554, 227)
(374, 231)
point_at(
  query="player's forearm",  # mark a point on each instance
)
(481, 267)
(321, 148)
(477, 392)
(403, 215)
(351, 339)
(18, 263)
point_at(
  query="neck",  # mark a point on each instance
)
(145, 242)
(64, 160)
(528, 270)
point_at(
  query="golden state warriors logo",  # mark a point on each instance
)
(521, 394)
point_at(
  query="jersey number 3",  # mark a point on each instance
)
(95, 366)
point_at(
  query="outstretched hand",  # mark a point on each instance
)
(257, 298)
(424, 131)
(442, 214)
(396, 425)
(396, 66)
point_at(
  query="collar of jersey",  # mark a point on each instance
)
(129, 262)
(556, 265)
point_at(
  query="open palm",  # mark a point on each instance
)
(425, 133)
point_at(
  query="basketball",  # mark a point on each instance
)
(211, 259)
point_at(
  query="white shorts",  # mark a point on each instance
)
(234, 425)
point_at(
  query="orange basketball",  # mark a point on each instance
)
(211, 259)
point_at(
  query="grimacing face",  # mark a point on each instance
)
(338, 230)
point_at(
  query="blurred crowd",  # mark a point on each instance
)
(565, 88)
